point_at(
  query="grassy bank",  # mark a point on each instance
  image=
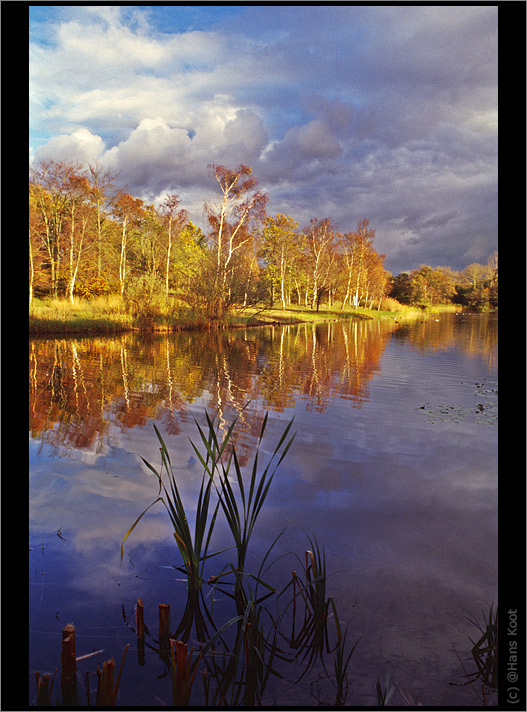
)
(109, 315)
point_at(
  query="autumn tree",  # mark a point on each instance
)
(319, 237)
(377, 279)
(492, 265)
(36, 252)
(477, 287)
(280, 249)
(193, 268)
(431, 285)
(49, 189)
(128, 211)
(240, 203)
(147, 253)
(102, 187)
(356, 246)
(77, 189)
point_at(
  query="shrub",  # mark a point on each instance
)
(392, 305)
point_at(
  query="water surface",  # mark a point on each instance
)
(393, 469)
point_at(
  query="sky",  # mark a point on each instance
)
(347, 112)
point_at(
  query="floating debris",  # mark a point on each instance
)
(483, 413)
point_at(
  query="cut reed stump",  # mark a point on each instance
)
(164, 625)
(140, 630)
(182, 674)
(140, 619)
(105, 677)
(106, 688)
(44, 688)
(68, 682)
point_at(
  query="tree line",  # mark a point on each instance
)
(88, 238)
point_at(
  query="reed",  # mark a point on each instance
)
(485, 649)
(241, 508)
(313, 638)
(241, 672)
(341, 661)
(193, 546)
(140, 619)
(241, 667)
(164, 625)
(384, 693)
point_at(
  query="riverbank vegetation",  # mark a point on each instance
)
(101, 259)
(107, 315)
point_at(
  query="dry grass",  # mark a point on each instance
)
(109, 314)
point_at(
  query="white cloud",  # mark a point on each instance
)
(347, 112)
(81, 145)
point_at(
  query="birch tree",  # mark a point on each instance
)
(102, 185)
(280, 250)
(240, 203)
(356, 247)
(77, 190)
(49, 188)
(128, 211)
(319, 238)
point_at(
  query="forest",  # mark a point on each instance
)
(88, 239)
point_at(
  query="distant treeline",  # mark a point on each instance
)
(88, 238)
(475, 288)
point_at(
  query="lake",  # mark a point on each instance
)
(393, 470)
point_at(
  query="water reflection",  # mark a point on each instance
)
(406, 508)
(475, 336)
(80, 387)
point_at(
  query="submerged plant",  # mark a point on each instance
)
(242, 669)
(485, 655)
(341, 662)
(384, 694)
(313, 638)
(485, 649)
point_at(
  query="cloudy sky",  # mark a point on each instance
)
(349, 112)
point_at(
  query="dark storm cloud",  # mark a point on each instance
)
(380, 112)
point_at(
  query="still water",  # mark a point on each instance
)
(393, 470)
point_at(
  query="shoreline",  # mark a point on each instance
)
(84, 320)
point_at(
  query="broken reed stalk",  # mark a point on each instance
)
(164, 624)
(44, 688)
(140, 619)
(140, 630)
(182, 678)
(106, 689)
(295, 577)
(68, 681)
(105, 683)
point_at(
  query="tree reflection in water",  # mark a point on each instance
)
(79, 387)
